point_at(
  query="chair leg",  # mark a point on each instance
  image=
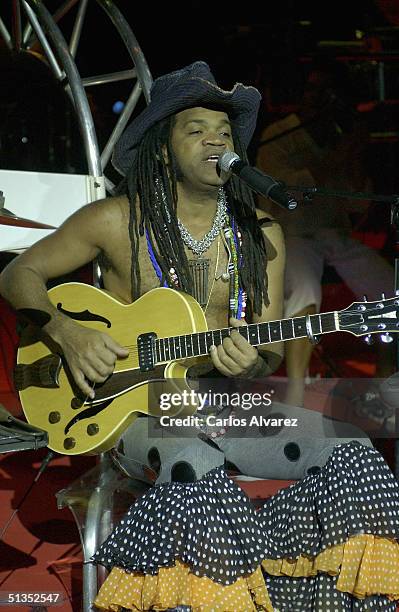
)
(89, 586)
(97, 527)
(93, 501)
(94, 526)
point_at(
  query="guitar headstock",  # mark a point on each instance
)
(364, 318)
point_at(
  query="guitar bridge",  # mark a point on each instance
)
(146, 349)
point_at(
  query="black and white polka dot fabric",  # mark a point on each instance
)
(319, 594)
(212, 526)
(354, 493)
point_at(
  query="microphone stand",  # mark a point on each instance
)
(308, 193)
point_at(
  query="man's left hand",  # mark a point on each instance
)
(236, 357)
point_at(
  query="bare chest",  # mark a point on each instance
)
(116, 269)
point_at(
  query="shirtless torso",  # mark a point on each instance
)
(115, 263)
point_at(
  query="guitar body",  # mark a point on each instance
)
(163, 326)
(49, 396)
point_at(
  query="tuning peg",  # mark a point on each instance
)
(365, 298)
(383, 296)
(369, 339)
(386, 338)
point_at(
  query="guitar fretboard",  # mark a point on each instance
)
(197, 344)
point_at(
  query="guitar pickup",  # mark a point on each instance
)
(146, 350)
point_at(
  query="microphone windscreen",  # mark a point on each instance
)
(227, 159)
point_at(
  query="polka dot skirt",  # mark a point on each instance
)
(320, 594)
(354, 493)
(209, 525)
(328, 542)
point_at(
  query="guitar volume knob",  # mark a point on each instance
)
(93, 429)
(69, 443)
(54, 417)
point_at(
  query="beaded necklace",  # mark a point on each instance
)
(237, 296)
(233, 240)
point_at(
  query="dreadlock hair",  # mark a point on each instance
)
(154, 185)
(253, 277)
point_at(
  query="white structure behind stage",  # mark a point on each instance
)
(43, 197)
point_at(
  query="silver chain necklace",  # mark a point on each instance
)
(198, 247)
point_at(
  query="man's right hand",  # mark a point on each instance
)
(91, 355)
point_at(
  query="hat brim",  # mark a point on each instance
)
(241, 104)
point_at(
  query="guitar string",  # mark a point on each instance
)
(135, 350)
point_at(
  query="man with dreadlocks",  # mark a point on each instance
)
(194, 541)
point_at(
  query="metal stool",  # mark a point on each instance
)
(98, 500)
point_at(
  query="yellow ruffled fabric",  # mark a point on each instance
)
(366, 565)
(174, 586)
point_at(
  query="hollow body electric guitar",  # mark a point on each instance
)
(162, 330)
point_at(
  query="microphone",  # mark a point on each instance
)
(255, 179)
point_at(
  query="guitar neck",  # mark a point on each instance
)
(197, 344)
